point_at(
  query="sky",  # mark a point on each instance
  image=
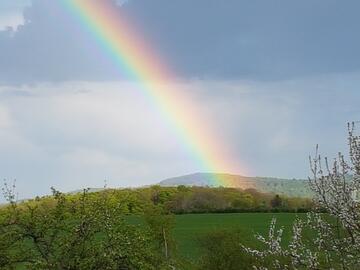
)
(274, 78)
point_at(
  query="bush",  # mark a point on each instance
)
(221, 250)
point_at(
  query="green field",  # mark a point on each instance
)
(189, 227)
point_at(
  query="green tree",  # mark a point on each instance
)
(276, 202)
(65, 233)
(161, 224)
(221, 250)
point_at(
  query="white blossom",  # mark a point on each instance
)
(334, 224)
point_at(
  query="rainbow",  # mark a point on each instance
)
(138, 61)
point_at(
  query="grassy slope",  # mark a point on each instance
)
(189, 227)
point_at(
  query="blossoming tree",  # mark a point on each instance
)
(329, 236)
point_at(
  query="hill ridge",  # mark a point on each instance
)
(282, 186)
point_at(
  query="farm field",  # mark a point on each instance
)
(191, 226)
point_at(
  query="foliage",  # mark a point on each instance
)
(184, 200)
(160, 225)
(181, 199)
(85, 230)
(220, 251)
(276, 202)
(88, 232)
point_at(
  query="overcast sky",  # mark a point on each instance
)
(275, 77)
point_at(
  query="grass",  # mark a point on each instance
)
(188, 228)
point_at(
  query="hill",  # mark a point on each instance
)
(287, 187)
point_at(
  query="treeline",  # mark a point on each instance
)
(207, 200)
(183, 200)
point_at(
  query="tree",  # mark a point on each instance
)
(65, 233)
(220, 251)
(329, 240)
(276, 202)
(161, 224)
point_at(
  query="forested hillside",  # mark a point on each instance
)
(195, 199)
(286, 187)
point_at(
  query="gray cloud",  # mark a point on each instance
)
(11, 13)
(233, 39)
(273, 77)
(51, 46)
(253, 39)
(72, 135)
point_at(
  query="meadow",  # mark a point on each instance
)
(189, 228)
(141, 229)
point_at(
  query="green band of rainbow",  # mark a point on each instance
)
(137, 60)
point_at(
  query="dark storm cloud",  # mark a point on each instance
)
(253, 38)
(50, 46)
(248, 39)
